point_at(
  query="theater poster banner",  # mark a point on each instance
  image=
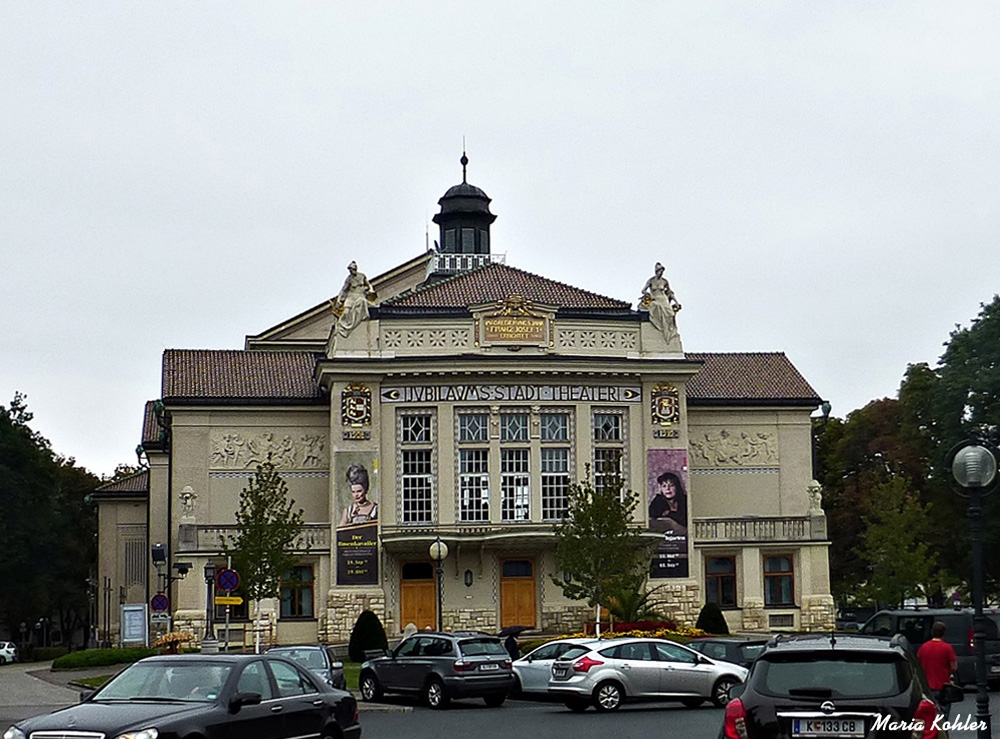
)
(356, 494)
(666, 496)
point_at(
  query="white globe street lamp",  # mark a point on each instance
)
(438, 551)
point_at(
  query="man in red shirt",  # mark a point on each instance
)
(939, 662)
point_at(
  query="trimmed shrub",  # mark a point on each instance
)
(101, 657)
(711, 620)
(367, 634)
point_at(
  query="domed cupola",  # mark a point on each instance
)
(465, 218)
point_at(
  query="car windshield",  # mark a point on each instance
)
(826, 675)
(476, 647)
(310, 658)
(199, 682)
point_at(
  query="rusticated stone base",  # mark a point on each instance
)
(343, 608)
(754, 618)
(818, 613)
(565, 620)
(679, 601)
(472, 620)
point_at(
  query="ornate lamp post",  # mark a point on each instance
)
(438, 551)
(974, 466)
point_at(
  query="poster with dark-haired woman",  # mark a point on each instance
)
(668, 511)
(357, 518)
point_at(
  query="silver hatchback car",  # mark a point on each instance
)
(614, 671)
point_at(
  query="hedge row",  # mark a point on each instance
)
(101, 657)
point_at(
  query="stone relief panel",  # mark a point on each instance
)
(233, 450)
(727, 448)
(589, 340)
(421, 339)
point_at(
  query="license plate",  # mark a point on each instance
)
(828, 727)
(559, 671)
(490, 666)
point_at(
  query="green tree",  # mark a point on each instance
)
(630, 599)
(598, 548)
(47, 527)
(267, 527)
(894, 545)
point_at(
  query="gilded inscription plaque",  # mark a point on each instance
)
(514, 321)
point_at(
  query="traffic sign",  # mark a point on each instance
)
(228, 600)
(159, 603)
(227, 579)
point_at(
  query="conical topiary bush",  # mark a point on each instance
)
(368, 633)
(711, 620)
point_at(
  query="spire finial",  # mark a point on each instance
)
(464, 160)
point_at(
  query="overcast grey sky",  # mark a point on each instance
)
(819, 178)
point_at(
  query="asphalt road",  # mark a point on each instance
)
(23, 694)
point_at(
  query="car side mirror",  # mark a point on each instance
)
(243, 699)
(85, 694)
(952, 694)
(337, 665)
(737, 690)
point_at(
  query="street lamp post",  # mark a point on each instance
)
(209, 644)
(974, 466)
(438, 551)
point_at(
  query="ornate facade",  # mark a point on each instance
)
(457, 397)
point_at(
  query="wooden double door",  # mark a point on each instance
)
(517, 593)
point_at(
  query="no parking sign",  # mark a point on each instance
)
(227, 580)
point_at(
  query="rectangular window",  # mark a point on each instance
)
(474, 485)
(415, 428)
(515, 485)
(513, 427)
(555, 483)
(417, 490)
(607, 468)
(449, 241)
(720, 581)
(555, 426)
(473, 427)
(779, 581)
(297, 592)
(468, 241)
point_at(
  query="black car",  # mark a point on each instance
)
(815, 685)
(915, 624)
(208, 697)
(738, 650)
(440, 666)
(316, 657)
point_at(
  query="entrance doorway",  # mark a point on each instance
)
(517, 593)
(417, 597)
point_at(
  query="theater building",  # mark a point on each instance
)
(455, 398)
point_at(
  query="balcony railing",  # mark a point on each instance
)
(763, 529)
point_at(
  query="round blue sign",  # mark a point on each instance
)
(159, 603)
(227, 580)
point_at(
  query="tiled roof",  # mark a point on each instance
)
(739, 377)
(208, 374)
(150, 429)
(495, 282)
(133, 484)
(748, 377)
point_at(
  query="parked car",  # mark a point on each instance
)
(208, 696)
(738, 650)
(440, 666)
(823, 685)
(915, 625)
(534, 669)
(614, 671)
(852, 618)
(8, 652)
(318, 658)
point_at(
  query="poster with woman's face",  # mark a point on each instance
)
(667, 501)
(356, 502)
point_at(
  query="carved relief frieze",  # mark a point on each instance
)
(725, 448)
(607, 340)
(418, 338)
(236, 450)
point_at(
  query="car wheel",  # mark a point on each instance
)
(692, 702)
(720, 691)
(495, 701)
(608, 696)
(434, 695)
(577, 705)
(3, 660)
(369, 686)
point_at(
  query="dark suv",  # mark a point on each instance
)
(440, 666)
(822, 685)
(915, 624)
